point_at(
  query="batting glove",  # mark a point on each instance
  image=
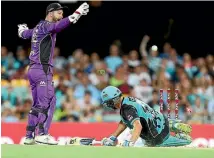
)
(82, 10)
(111, 141)
(126, 143)
(22, 27)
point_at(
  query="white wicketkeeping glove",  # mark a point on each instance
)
(22, 27)
(82, 10)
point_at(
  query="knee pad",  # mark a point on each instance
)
(34, 112)
(40, 111)
(31, 128)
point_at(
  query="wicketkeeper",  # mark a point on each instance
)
(40, 73)
(145, 122)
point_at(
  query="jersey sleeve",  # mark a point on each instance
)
(56, 27)
(27, 34)
(129, 113)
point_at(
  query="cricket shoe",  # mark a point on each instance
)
(178, 127)
(183, 136)
(46, 139)
(29, 141)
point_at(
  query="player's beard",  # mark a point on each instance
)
(55, 19)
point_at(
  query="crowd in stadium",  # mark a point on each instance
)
(79, 79)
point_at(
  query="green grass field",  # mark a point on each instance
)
(43, 151)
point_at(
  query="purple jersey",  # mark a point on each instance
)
(43, 39)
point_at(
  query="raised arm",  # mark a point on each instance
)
(143, 45)
(62, 24)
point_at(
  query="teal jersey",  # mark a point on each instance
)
(155, 125)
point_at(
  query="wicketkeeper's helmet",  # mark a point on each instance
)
(110, 97)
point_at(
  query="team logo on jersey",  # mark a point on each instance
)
(42, 83)
(105, 95)
(130, 117)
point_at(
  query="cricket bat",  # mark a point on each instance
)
(83, 141)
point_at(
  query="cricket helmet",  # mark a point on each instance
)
(110, 97)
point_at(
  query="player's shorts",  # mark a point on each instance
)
(160, 138)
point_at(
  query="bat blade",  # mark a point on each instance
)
(80, 141)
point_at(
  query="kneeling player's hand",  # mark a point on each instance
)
(111, 141)
(126, 143)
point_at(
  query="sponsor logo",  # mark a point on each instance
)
(42, 83)
(130, 117)
(105, 95)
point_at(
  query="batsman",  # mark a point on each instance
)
(40, 72)
(146, 123)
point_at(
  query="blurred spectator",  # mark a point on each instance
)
(23, 110)
(140, 72)
(96, 78)
(188, 65)
(8, 94)
(7, 61)
(22, 59)
(151, 59)
(166, 50)
(118, 78)
(199, 112)
(61, 91)
(4, 74)
(143, 91)
(85, 85)
(86, 64)
(211, 110)
(114, 60)
(87, 101)
(133, 59)
(89, 116)
(94, 57)
(79, 80)
(125, 59)
(59, 61)
(210, 64)
(76, 56)
(9, 116)
(154, 103)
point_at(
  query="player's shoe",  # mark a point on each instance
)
(46, 139)
(174, 121)
(183, 136)
(29, 141)
(182, 128)
(178, 127)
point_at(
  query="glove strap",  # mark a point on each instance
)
(113, 138)
(77, 12)
(75, 16)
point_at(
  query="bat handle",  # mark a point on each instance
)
(96, 142)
